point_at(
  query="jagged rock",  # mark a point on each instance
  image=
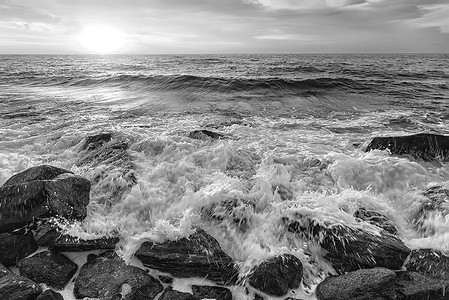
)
(199, 255)
(46, 234)
(235, 210)
(211, 292)
(53, 269)
(66, 196)
(107, 277)
(15, 287)
(348, 248)
(258, 297)
(429, 262)
(414, 286)
(16, 245)
(165, 279)
(38, 173)
(205, 135)
(67, 243)
(376, 219)
(170, 294)
(94, 141)
(50, 295)
(426, 146)
(376, 283)
(277, 275)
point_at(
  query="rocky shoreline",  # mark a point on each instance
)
(369, 265)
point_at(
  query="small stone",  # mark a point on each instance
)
(16, 245)
(50, 295)
(376, 283)
(205, 135)
(211, 292)
(67, 243)
(277, 275)
(15, 287)
(53, 269)
(166, 279)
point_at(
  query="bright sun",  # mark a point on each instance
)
(101, 39)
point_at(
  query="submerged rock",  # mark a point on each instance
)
(198, 255)
(429, 262)
(236, 210)
(94, 141)
(65, 195)
(277, 275)
(425, 146)
(16, 245)
(349, 249)
(211, 292)
(376, 283)
(107, 277)
(50, 295)
(376, 219)
(67, 243)
(53, 269)
(205, 135)
(411, 285)
(15, 287)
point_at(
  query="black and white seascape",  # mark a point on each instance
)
(223, 176)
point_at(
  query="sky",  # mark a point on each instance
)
(226, 26)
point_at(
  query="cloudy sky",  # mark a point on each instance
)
(228, 26)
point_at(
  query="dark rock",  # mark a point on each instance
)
(424, 145)
(205, 135)
(199, 255)
(64, 196)
(53, 269)
(277, 275)
(258, 297)
(284, 192)
(43, 172)
(170, 294)
(46, 234)
(211, 292)
(376, 219)
(50, 295)
(429, 262)
(165, 279)
(414, 286)
(67, 243)
(94, 141)
(348, 248)
(377, 283)
(16, 245)
(107, 277)
(15, 287)
(237, 211)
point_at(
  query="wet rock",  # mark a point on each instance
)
(66, 196)
(350, 249)
(16, 245)
(277, 275)
(107, 277)
(258, 297)
(376, 219)
(165, 279)
(46, 234)
(429, 262)
(43, 172)
(53, 269)
(95, 141)
(50, 295)
(170, 294)
(238, 211)
(199, 255)
(425, 146)
(414, 286)
(284, 192)
(67, 243)
(211, 292)
(376, 283)
(15, 287)
(205, 135)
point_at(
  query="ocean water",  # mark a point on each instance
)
(295, 126)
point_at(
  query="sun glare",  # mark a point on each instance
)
(101, 39)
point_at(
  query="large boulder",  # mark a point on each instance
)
(425, 146)
(198, 255)
(67, 243)
(65, 195)
(429, 262)
(349, 249)
(15, 287)
(277, 275)
(16, 245)
(367, 284)
(43, 172)
(53, 269)
(414, 286)
(95, 141)
(107, 277)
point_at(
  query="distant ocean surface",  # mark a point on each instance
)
(295, 127)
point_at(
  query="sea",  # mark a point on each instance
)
(295, 128)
